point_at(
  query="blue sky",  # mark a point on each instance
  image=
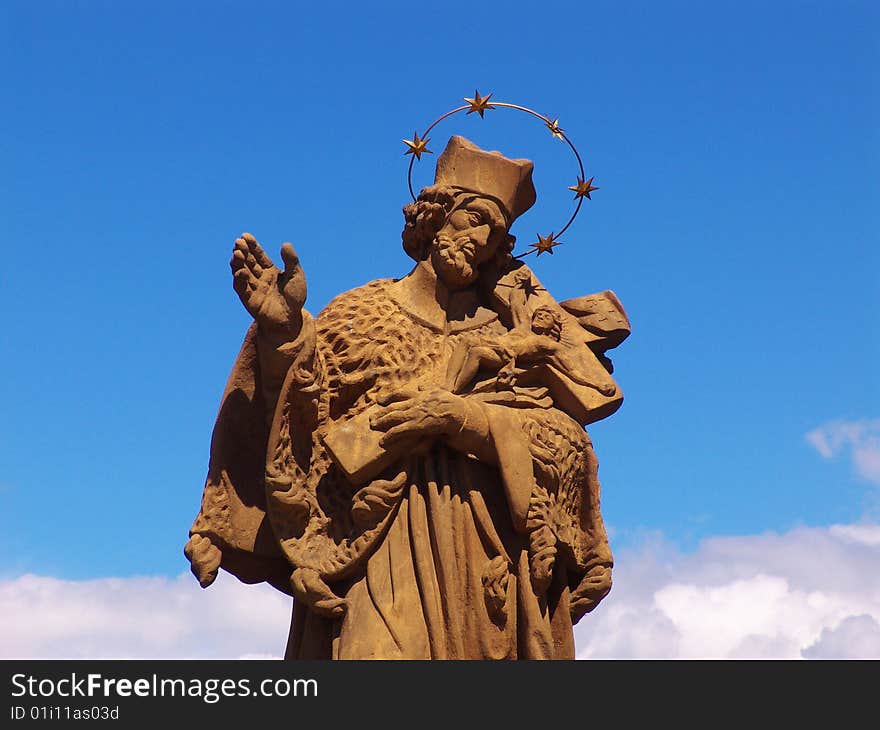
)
(736, 148)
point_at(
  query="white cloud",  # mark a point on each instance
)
(860, 438)
(810, 592)
(140, 618)
(855, 637)
(866, 534)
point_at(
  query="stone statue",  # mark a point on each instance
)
(411, 465)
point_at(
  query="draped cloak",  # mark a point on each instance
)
(424, 547)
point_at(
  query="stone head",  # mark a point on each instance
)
(463, 220)
(545, 321)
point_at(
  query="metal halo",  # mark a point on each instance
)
(481, 104)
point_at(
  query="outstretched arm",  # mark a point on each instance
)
(229, 529)
(274, 298)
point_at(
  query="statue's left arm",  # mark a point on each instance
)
(546, 460)
(583, 391)
(547, 467)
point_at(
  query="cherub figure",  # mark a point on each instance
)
(534, 339)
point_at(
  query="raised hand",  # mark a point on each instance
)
(274, 298)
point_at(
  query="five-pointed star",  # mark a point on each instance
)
(417, 146)
(479, 104)
(545, 244)
(583, 189)
(554, 128)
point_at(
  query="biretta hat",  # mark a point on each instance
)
(509, 182)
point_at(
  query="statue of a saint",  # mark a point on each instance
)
(411, 465)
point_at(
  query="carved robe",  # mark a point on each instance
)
(426, 547)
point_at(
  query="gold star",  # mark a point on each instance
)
(545, 244)
(479, 104)
(583, 189)
(417, 146)
(554, 128)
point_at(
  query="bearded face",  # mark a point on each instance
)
(454, 259)
(465, 241)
